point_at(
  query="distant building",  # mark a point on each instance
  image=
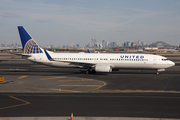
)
(71, 45)
(52, 46)
(119, 44)
(128, 43)
(124, 44)
(112, 44)
(77, 45)
(103, 43)
(106, 44)
(88, 45)
(132, 44)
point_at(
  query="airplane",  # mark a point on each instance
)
(92, 62)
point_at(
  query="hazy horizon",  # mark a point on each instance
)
(62, 22)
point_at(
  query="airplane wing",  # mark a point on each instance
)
(71, 62)
(78, 63)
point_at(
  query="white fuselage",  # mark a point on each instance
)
(116, 61)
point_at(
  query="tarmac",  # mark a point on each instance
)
(24, 76)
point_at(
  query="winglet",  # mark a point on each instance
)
(48, 56)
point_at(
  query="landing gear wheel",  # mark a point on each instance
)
(87, 71)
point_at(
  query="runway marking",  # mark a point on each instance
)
(4, 118)
(25, 103)
(97, 86)
(15, 69)
(6, 57)
(71, 80)
(104, 84)
(128, 90)
(83, 85)
(61, 77)
(22, 77)
(65, 90)
(78, 80)
(53, 78)
(174, 91)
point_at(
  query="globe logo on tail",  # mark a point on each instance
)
(32, 47)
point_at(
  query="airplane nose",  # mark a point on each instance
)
(172, 63)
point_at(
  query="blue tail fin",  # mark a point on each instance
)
(28, 43)
(88, 51)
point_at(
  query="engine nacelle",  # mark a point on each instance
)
(103, 68)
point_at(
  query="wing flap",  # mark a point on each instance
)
(78, 63)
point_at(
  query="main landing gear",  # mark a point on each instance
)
(90, 71)
(87, 71)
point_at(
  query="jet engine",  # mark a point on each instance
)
(103, 68)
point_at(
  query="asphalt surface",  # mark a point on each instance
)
(31, 89)
(32, 77)
(156, 105)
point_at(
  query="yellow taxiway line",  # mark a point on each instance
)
(65, 90)
(25, 103)
(4, 118)
(97, 86)
(52, 78)
(22, 77)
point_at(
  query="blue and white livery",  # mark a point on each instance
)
(93, 62)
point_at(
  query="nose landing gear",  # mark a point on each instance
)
(160, 70)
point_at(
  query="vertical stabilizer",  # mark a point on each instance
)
(28, 43)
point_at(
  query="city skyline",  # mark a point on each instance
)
(103, 44)
(78, 21)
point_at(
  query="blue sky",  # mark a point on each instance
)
(62, 22)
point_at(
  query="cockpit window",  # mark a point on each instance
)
(164, 59)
